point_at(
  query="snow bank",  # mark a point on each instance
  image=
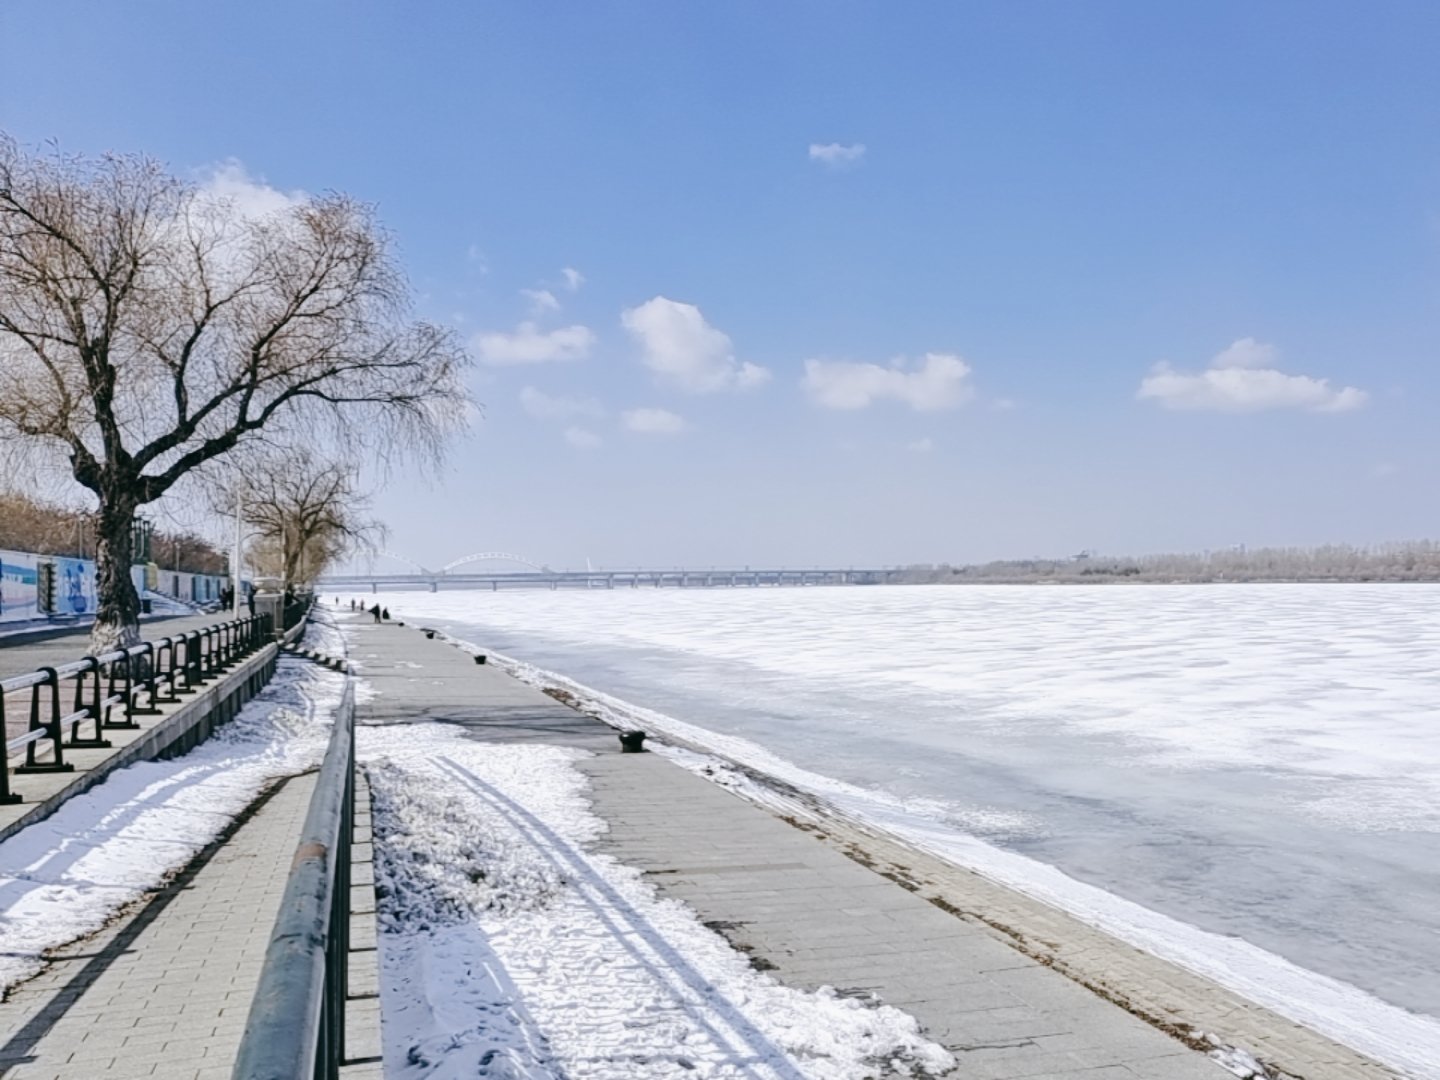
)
(66, 876)
(509, 949)
(323, 633)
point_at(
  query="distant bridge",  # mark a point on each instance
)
(479, 556)
(545, 578)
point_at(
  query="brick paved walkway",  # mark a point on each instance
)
(816, 918)
(166, 992)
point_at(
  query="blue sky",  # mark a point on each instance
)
(1051, 200)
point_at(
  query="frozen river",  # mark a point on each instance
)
(1258, 762)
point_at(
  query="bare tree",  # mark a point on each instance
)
(147, 328)
(308, 512)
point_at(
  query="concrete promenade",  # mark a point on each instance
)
(806, 911)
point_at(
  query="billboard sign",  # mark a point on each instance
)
(74, 587)
(17, 586)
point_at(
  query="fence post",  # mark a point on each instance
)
(51, 726)
(92, 710)
(127, 656)
(7, 797)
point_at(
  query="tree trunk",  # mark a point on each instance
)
(117, 617)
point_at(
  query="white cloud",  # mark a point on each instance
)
(541, 300)
(684, 350)
(921, 446)
(1243, 378)
(584, 440)
(1246, 353)
(544, 407)
(250, 196)
(939, 382)
(653, 421)
(573, 278)
(835, 155)
(527, 345)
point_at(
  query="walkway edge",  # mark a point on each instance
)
(1186, 1005)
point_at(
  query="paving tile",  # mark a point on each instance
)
(160, 1002)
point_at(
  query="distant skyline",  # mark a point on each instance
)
(842, 283)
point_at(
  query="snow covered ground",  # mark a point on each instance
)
(1243, 779)
(508, 949)
(66, 876)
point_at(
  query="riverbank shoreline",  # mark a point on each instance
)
(1190, 1007)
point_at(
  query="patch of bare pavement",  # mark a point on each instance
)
(1013, 987)
(22, 653)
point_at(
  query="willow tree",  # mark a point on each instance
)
(306, 511)
(149, 328)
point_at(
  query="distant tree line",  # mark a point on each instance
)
(30, 525)
(1414, 560)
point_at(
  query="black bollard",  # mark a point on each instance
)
(632, 742)
(480, 658)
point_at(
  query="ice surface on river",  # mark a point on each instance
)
(1258, 761)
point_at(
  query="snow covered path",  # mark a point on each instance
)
(67, 876)
(505, 941)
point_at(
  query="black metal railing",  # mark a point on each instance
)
(294, 609)
(72, 706)
(296, 1027)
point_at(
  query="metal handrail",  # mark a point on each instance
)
(139, 678)
(296, 1026)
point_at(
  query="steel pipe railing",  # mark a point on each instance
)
(296, 1026)
(136, 681)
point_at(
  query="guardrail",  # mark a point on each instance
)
(73, 705)
(296, 1027)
